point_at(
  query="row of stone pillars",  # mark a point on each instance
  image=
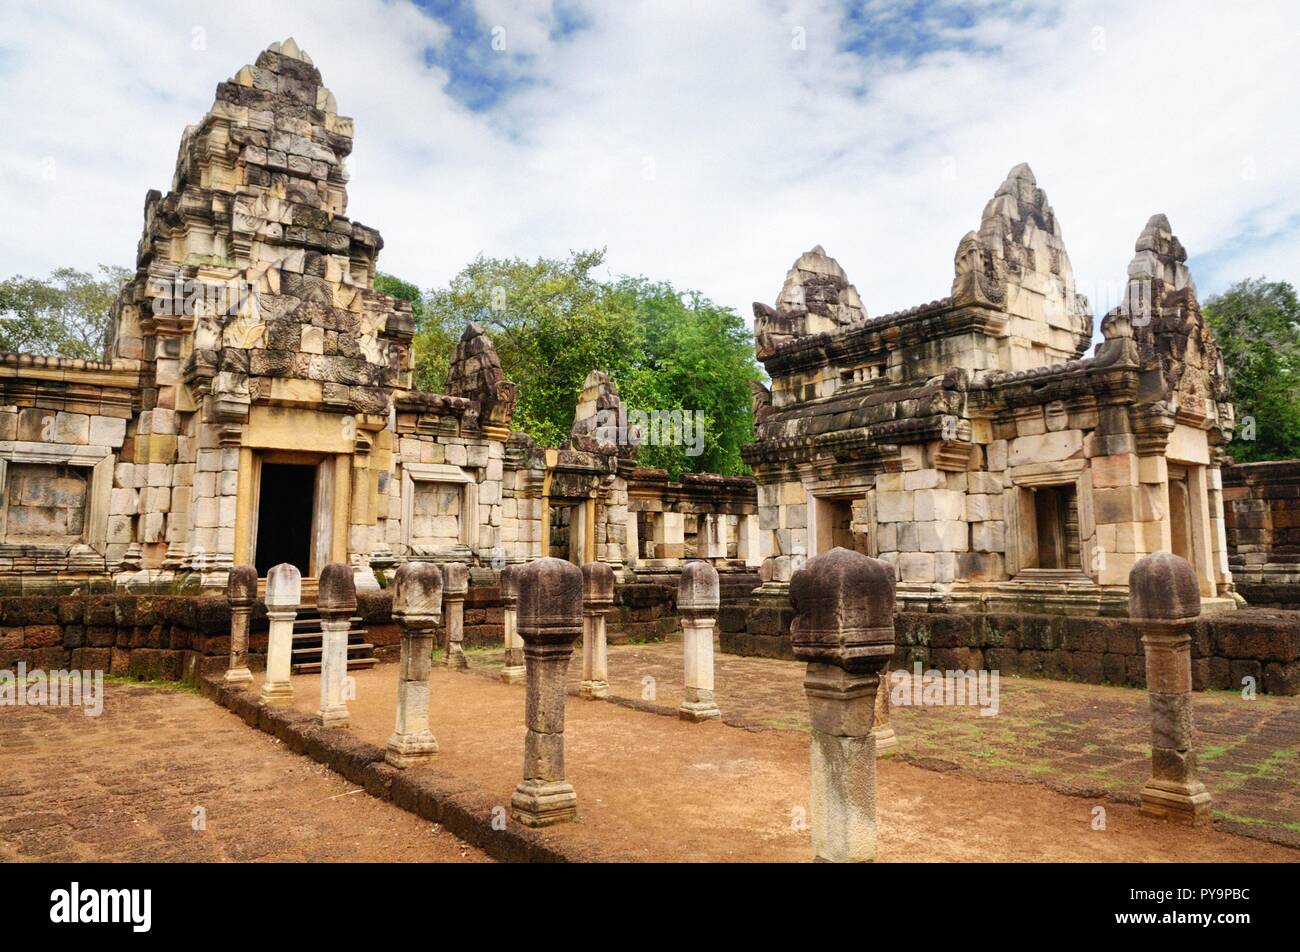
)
(843, 629)
(697, 603)
(336, 602)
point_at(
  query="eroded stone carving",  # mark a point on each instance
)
(816, 298)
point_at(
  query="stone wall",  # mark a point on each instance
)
(151, 637)
(1227, 647)
(1263, 524)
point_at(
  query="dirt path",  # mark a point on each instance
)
(125, 786)
(654, 788)
(1075, 738)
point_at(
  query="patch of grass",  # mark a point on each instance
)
(1291, 826)
(1279, 762)
(186, 686)
(1210, 752)
(784, 724)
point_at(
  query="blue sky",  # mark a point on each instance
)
(707, 143)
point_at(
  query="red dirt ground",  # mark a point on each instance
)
(122, 787)
(654, 788)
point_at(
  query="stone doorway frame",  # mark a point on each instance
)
(1191, 477)
(330, 503)
(582, 526)
(821, 505)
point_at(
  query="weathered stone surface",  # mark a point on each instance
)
(975, 423)
(242, 586)
(697, 591)
(550, 601)
(550, 618)
(844, 611)
(417, 606)
(417, 592)
(1162, 588)
(597, 586)
(337, 593)
(283, 586)
(455, 579)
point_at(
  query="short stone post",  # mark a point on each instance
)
(1164, 603)
(550, 619)
(336, 600)
(283, 594)
(697, 604)
(241, 590)
(455, 583)
(513, 672)
(417, 608)
(597, 600)
(844, 629)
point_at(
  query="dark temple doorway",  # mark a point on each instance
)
(284, 516)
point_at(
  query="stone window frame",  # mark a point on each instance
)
(1025, 479)
(100, 460)
(445, 473)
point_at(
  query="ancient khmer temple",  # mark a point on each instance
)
(970, 443)
(255, 405)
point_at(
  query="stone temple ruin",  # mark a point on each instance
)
(256, 407)
(971, 444)
(250, 482)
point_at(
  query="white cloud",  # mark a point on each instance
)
(691, 138)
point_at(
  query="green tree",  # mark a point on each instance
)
(551, 322)
(64, 315)
(554, 320)
(696, 357)
(1257, 326)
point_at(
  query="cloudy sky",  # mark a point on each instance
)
(707, 142)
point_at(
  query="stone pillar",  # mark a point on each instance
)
(455, 582)
(597, 600)
(513, 672)
(550, 619)
(749, 544)
(1164, 603)
(711, 541)
(844, 629)
(670, 535)
(697, 604)
(241, 590)
(283, 594)
(417, 608)
(882, 729)
(336, 600)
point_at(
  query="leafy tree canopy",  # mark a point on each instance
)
(1257, 326)
(64, 315)
(554, 320)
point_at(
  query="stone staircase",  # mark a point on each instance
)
(307, 643)
(307, 634)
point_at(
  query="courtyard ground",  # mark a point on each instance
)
(1082, 739)
(655, 788)
(123, 787)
